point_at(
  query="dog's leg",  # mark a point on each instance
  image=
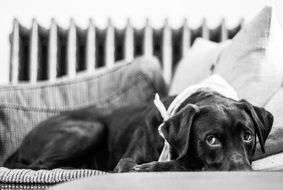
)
(69, 143)
(139, 151)
(155, 166)
(79, 146)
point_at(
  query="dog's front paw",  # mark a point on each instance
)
(145, 167)
(155, 166)
(125, 165)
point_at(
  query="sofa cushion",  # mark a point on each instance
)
(23, 106)
(179, 180)
(197, 64)
(270, 163)
(252, 63)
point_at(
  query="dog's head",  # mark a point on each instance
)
(218, 134)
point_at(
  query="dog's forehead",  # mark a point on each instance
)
(221, 117)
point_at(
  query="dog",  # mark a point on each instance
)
(208, 132)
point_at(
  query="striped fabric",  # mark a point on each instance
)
(23, 106)
(44, 176)
(26, 186)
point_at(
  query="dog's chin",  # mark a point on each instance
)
(226, 166)
(239, 168)
(208, 168)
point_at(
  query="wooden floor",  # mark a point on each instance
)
(181, 180)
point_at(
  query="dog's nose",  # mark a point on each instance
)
(239, 162)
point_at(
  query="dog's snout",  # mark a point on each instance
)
(239, 162)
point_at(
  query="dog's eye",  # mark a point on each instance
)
(247, 136)
(212, 141)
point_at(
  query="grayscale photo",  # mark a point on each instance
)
(144, 95)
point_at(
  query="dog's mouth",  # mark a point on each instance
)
(227, 167)
(241, 168)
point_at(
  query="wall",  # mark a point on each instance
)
(119, 10)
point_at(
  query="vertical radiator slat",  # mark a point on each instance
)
(15, 49)
(90, 47)
(204, 30)
(167, 52)
(109, 45)
(224, 31)
(129, 42)
(72, 50)
(148, 41)
(33, 67)
(52, 52)
(186, 38)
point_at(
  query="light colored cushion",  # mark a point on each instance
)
(196, 65)
(274, 143)
(179, 180)
(22, 107)
(270, 163)
(253, 62)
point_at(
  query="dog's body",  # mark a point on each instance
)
(209, 131)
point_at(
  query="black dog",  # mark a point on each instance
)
(208, 132)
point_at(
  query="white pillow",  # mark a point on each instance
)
(253, 62)
(196, 65)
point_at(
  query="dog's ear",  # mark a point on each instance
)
(176, 130)
(263, 121)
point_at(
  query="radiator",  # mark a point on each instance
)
(39, 54)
